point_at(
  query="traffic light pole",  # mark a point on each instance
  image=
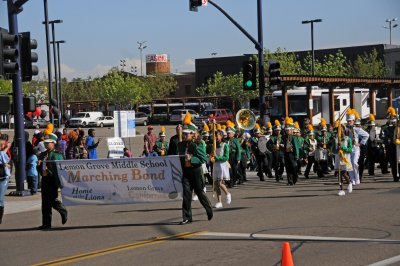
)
(46, 22)
(260, 48)
(19, 150)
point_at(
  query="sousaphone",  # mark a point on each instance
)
(246, 119)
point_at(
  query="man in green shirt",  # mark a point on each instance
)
(192, 156)
(50, 182)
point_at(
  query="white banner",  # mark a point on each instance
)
(120, 181)
(124, 124)
(115, 148)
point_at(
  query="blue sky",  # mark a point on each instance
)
(99, 33)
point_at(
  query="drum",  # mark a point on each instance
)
(321, 155)
(262, 145)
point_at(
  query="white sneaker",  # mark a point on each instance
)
(205, 189)
(195, 198)
(218, 205)
(228, 198)
(353, 182)
(357, 182)
(350, 188)
(341, 193)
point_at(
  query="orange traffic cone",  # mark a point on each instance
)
(287, 259)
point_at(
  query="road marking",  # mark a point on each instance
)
(115, 249)
(389, 261)
(297, 237)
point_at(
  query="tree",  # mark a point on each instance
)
(289, 63)
(369, 65)
(331, 65)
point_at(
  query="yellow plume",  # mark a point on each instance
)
(50, 127)
(323, 122)
(219, 127)
(223, 127)
(296, 125)
(257, 126)
(163, 129)
(269, 125)
(391, 111)
(230, 124)
(310, 127)
(205, 127)
(277, 123)
(47, 132)
(371, 117)
(287, 120)
(337, 123)
(188, 119)
(350, 111)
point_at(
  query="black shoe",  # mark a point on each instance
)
(44, 227)
(209, 216)
(262, 179)
(185, 222)
(270, 176)
(306, 176)
(386, 172)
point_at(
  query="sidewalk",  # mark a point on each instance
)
(16, 204)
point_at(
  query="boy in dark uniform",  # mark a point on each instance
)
(192, 156)
(291, 149)
(50, 182)
(275, 145)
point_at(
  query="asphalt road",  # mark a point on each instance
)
(310, 216)
(323, 229)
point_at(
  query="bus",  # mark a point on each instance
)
(297, 103)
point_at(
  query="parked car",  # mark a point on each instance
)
(220, 116)
(141, 118)
(83, 119)
(40, 123)
(178, 115)
(102, 121)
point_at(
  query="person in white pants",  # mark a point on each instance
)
(358, 136)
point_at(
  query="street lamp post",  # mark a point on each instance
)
(312, 39)
(141, 48)
(52, 22)
(59, 95)
(390, 20)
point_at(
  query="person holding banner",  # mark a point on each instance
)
(50, 182)
(174, 140)
(192, 156)
(149, 142)
(91, 145)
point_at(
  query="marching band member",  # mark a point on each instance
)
(291, 152)
(275, 144)
(209, 146)
(358, 137)
(234, 152)
(261, 154)
(221, 169)
(302, 154)
(342, 147)
(310, 146)
(192, 156)
(391, 140)
(374, 151)
(161, 146)
(245, 153)
(323, 141)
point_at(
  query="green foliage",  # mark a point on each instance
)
(369, 65)
(332, 65)
(5, 86)
(226, 85)
(290, 64)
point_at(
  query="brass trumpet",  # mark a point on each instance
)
(246, 119)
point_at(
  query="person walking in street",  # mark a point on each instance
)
(31, 168)
(192, 156)
(50, 183)
(149, 141)
(221, 170)
(91, 145)
(4, 175)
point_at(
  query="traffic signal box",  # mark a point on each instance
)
(249, 76)
(193, 4)
(27, 57)
(274, 73)
(8, 54)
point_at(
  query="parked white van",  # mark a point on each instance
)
(82, 119)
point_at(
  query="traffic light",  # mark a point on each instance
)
(4, 104)
(29, 104)
(54, 107)
(193, 4)
(249, 76)
(28, 57)
(274, 73)
(8, 54)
